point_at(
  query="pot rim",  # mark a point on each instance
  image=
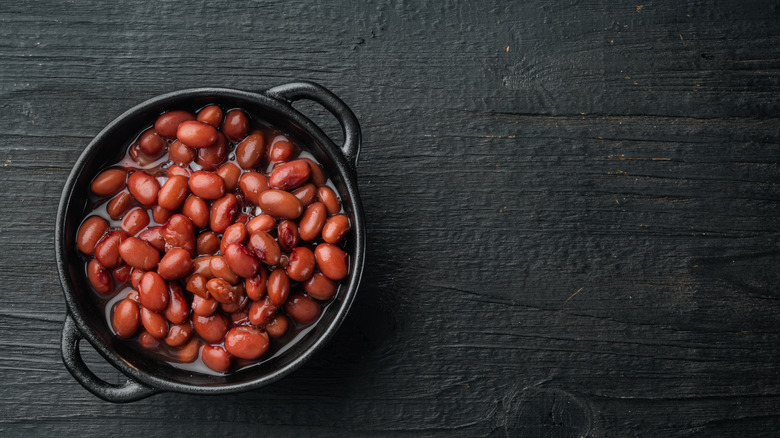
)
(345, 170)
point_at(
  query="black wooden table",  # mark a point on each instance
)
(573, 211)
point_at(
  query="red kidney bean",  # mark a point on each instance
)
(135, 277)
(331, 261)
(307, 194)
(197, 210)
(197, 285)
(213, 156)
(278, 326)
(189, 352)
(139, 254)
(119, 205)
(317, 175)
(235, 233)
(126, 319)
(168, 123)
(148, 341)
(99, 277)
(208, 242)
(175, 169)
(154, 323)
(204, 306)
(212, 115)
(211, 328)
(255, 286)
(287, 235)
(153, 237)
(109, 182)
(241, 260)
(280, 204)
(238, 303)
(250, 152)
(221, 290)
(281, 150)
(335, 229)
(203, 266)
(196, 134)
(278, 287)
(261, 312)
(107, 250)
(216, 358)
(220, 269)
(135, 221)
(179, 334)
(246, 342)
(173, 192)
(90, 232)
(139, 157)
(122, 273)
(230, 173)
(290, 175)
(151, 144)
(329, 198)
(236, 125)
(265, 248)
(252, 184)
(161, 215)
(181, 154)
(302, 308)
(239, 318)
(312, 221)
(261, 222)
(179, 232)
(143, 187)
(175, 264)
(153, 292)
(301, 264)
(177, 310)
(207, 185)
(223, 212)
(320, 287)
(242, 218)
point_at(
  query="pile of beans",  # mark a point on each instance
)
(213, 240)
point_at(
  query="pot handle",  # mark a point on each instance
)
(293, 91)
(129, 391)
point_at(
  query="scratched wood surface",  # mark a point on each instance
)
(573, 211)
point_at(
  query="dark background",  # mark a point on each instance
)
(572, 210)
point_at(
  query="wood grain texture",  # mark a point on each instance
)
(573, 210)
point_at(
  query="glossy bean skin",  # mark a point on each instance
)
(221, 290)
(168, 123)
(197, 285)
(252, 184)
(216, 358)
(143, 187)
(312, 221)
(213, 156)
(290, 175)
(278, 287)
(320, 287)
(235, 233)
(280, 204)
(154, 323)
(107, 250)
(119, 205)
(261, 312)
(161, 215)
(317, 175)
(197, 210)
(203, 266)
(189, 351)
(246, 342)
(280, 150)
(99, 277)
(220, 269)
(212, 115)
(175, 264)
(287, 235)
(239, 302)
(196, 134)
(241, 260)
(175, 169)
(135, 277)
(179, 334)
(181, 154)
(335, 228)
(278, 326)
(151, 144)
(89, 234)
(261, 222)
(207, 185)
(329, 198)
(302, 308)
(301, 264)
(208, 242)
(223, 212)
(265, 247)
(135, 221)
(173, 192)
(139, 254)
(230, 173)
(256, 286)
(211, 328)
(250, 152)
(204, 306)
(153, 237)
(109, 182)
(126, 318)
(122, 273)
(331, 261)
(307, 194)
(153, 292)
(178, 310)
(236, 125)
(148, 341)
(179, 232)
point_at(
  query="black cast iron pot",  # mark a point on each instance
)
(85, 320)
